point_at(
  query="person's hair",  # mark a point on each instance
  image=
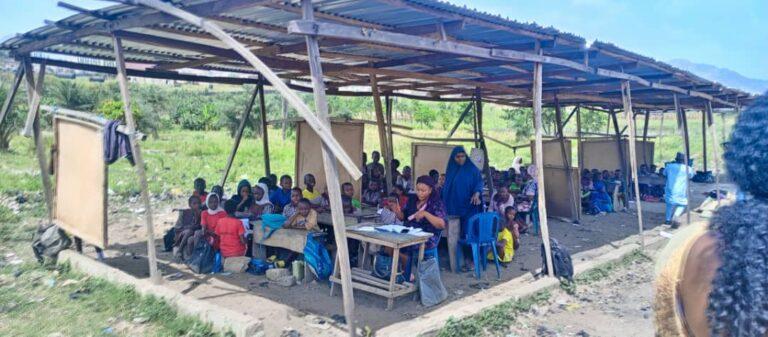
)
(305, 201)
(737, 303)
(296, 189)
(230, 207)
(265, 181)
(509, 208)
(309, 175)
(393, 195)
(433, 173)
(285, 176)
(199, 182)
(218, 190)
(398, 186)
(395, 163)
(346, 184)
(191, 199)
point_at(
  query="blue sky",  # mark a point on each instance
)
(729, 34)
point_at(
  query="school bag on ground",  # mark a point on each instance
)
(168, 239)
(317, 257)
(561, 260)
(203, 258)
(48, 241)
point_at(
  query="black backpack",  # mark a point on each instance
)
(48, 241)
(202, 259)
(561, 260)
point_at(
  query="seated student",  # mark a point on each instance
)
(434, 174)
(261, 204)
(599, 198)
(347, 189)
(387, 213)
(187, 223)
(517, 184)
(209, 219)
(200, 189)
(394, 166)
(290, 209)
(272, 183)
(372, 195)
(400, 192)
(304, 218)
(507, 240)
(501, 200)
(282, 196)
(220, 192)
(309, 192)
(231, 232)
(405, 180)
(243, 199)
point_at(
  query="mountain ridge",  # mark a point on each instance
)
(724, 76)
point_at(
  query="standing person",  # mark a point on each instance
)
(282, 196)
(676, 188)
(231, 232)
(462, 190)
(375, 168)
(715, 281)
(394, 165)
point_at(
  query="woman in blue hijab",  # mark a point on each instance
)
(463, 186)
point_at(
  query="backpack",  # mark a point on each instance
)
(48, 241)
(317, 257)
(168, 239)
(203, 258)
(561, 260)
(272, 222)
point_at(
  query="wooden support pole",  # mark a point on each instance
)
(683, 122)
(715, 148)
(122, 81)
(481, 140)
(567, 163)
(12, 92)
(34, 96)
(461, 119)
(322, 129)
(578, 138)
(390, 143)
(539, 161)
(383, 146)
(660, 135)
(285, 117)
(331, 175)
(645, 138)
(264, 127)
(622, 158)
(474, 124)
(626, 97)
(239, 135)
(704, 139)
(34, 99)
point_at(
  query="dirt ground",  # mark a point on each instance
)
(247, 293)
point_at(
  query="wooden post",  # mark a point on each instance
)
(461, 119)
(626, 97)
(645, 138)
(383, 146)
(122, 81)
(34, 96)
(566, 163)
(474, 124)
(239, 135)
(285, 116)
(481, 140)
(539, 160)
(622, 158)
(715, 146)
(12, 92)
(264, 127)
(331, 174)
(578, 138)
(704, 138)
(661, 126)
(390, 142)
(683, 121)
(322, 129)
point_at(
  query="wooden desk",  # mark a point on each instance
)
(363, 280)
(287, 238)
(367, 214)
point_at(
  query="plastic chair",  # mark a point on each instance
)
(481, 233)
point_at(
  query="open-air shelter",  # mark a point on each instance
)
(422, 49)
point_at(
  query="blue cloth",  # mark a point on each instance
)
(280, 197)
(461, 182)
(673, 211)
(675, 191)
(600, 198)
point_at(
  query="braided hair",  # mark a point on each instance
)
(738, 302)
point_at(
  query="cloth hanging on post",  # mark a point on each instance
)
(116, 144)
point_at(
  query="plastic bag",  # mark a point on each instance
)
(202, 259)
(431, 286)
(48, 241)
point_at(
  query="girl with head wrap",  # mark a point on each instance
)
(243, 199)
(716, 281)
(209, 218)
(261, 204)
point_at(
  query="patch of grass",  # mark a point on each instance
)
(603, 271)
(495, 320)
(38, 303)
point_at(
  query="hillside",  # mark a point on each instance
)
(723, 76)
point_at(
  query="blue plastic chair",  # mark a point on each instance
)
(481, 233)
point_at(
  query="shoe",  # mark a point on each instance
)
(674, 225)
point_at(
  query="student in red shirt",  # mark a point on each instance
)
(231, 232)
(209, 219)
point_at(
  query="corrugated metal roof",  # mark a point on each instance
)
(170, 44)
